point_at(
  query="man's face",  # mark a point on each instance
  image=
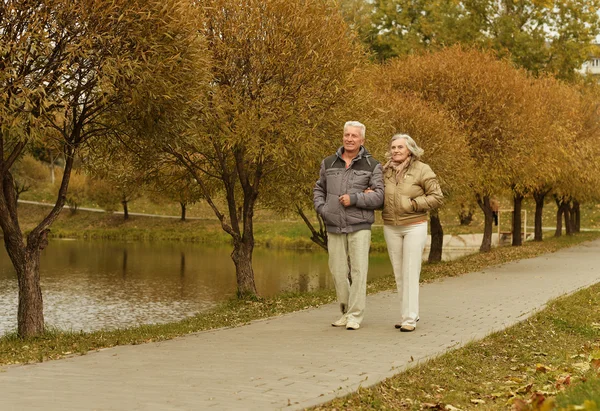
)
(352, 139)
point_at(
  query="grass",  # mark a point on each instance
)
(57, 344)
(547, 362)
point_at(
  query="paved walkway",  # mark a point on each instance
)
(298, 360)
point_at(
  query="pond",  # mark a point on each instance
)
(91, 285)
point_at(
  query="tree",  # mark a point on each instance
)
(435, 130)
(487, 97)
(175, 183)
(551, 36)
(576, 183)
(401, 27)
(112, 164)
(555, 119)
(279, 69)
(63, 67)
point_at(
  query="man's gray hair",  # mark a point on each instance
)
(358, 124)
(412, 146)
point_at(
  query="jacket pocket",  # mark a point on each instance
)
(360, 181)
(330, 212)
(406, 205)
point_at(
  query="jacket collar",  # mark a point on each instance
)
(362, 152)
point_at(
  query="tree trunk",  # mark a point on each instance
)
(564, 210)
(559, 214)
(539, 197)
(567, 215)
(30, 314)
(183, 210)
(516, 225)
(26, 261)
(125, 203)
(437, 237)
(242, 258)
(465, 214)
(484, 204)
(577, 217)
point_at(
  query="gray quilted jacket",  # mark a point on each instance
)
(335, 180)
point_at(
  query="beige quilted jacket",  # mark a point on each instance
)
(409, 201)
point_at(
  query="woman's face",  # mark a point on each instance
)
(399, 150)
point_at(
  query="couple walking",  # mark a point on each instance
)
(351, 186)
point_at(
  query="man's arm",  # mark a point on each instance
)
(373, 198)
(320, 189)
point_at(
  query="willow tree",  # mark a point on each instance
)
(279, 69)
(555, 119)
(577, 182)
(435, 130)
(487, 97)
(63, 67)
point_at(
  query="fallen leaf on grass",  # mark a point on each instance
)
(519, 405)
(581, 366)
(432, 406)
(588, 405)
(524, 389)
(562, 382)
(542, 368)
(477, 401)
(450, 407)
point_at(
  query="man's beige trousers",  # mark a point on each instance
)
(349, 253)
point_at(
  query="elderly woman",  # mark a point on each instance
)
(411, 189)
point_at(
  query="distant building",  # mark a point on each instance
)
(592, 65)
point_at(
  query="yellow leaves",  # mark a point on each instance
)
(524, 389)
(541, 368)
(537, 402)
(543, 3)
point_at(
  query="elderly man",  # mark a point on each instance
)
(349, 189)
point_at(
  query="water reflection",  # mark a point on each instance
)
(91, 285)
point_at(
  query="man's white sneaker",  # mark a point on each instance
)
(352, 326)
(341, 322)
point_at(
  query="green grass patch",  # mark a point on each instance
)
(584, 396)
(57, 344)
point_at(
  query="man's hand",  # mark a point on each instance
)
(345, 200)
